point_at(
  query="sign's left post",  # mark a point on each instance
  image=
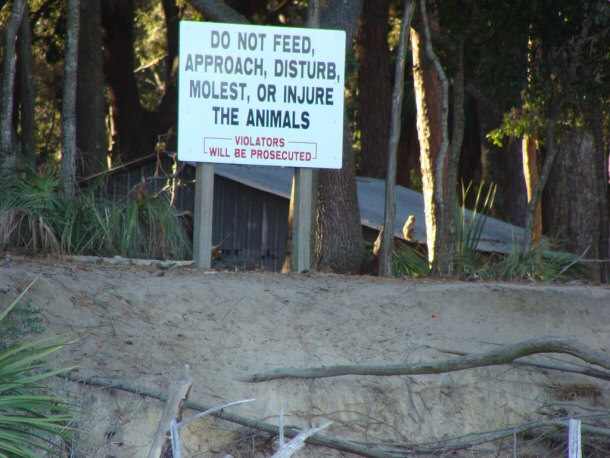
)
(204, 204)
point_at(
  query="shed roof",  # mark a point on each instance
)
(497, 236)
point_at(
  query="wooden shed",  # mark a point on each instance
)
(251, 204)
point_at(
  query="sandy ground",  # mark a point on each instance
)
(143, 324)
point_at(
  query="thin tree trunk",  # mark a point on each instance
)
(7, 136)
(68, 107)
(438, 161)
(551, 151)
(447, 242)
(387, 237)
(531, 174)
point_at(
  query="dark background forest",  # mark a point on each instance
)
(514, 93)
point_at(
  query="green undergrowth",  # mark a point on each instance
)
(35, 217)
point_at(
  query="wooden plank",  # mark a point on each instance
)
(204, 204)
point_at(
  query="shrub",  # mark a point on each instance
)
(30, 418)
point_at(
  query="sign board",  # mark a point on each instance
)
(261, 95)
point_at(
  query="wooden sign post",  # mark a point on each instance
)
(204, 205)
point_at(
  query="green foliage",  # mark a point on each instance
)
(409, 261)
(145, 228)
(469, 227)
(30, 206)
(29, 416)
(541, 263)
(35, 217)
(406, 260)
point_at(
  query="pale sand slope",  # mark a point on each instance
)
(142, 324)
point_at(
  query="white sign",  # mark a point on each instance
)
(261, 95)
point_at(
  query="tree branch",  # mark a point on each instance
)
(502, 355)
(218, 11)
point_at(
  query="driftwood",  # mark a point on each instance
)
(504, 354)
(119, 260)
(177, 396)
(290, 448)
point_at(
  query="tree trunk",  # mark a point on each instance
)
(549, 159)
(501, 165)
(443, 261)
(91, 136)
(25, 82)
(7, 131)
(68, 105)
(387, 236)
(374, 86)
(574, 205)
(339, 240)
(134, 129)
(438, 160)
(531, 175)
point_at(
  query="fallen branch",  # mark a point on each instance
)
(291, 432)
(502, 355)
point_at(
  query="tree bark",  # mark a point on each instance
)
(374, 87)
(387, 236)
(26, 92)
(531, 174)
(439, 157)
(339, 239)
(68, 106)
(7, 133)
(91, 136)
(551, 152)
(574, 201)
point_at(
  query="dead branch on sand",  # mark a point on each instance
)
(504, 354)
